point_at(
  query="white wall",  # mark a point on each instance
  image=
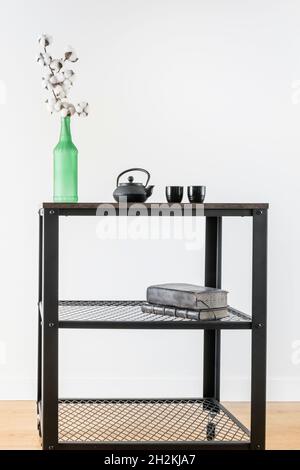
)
(197, 91)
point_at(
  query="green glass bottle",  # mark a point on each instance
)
(65, 166)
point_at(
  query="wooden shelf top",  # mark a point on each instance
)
(149, 205)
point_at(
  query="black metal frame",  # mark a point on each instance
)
(49, 324)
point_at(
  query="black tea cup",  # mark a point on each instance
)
(174, 193)
(196, 193)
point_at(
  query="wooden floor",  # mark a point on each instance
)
(18, 424)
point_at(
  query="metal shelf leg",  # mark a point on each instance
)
(212, 338)
(50, 331)
(259, 320)
(40, 293)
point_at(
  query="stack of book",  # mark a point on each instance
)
(186, 301)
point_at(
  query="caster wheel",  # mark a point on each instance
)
(210, 431)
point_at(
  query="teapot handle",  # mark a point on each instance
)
(134, 169)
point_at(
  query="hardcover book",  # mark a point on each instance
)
(206, 314)
(187, 296)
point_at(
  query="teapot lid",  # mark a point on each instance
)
(130, 182)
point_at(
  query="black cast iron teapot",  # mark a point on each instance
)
(134, 192)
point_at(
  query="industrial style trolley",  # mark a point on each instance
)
(150, 424)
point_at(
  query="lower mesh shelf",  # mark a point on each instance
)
(167, 420)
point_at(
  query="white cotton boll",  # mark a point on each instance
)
(50, 103)
(66, 105)
(51, 100)
(78, 109)
(45, 84)
(83, 114)
(58, 106)
(49, 85)
(65, 91)
(69, 74)
(53, 80)
(68, 50)
(46, 75)
(58, 89)
(42, 42)
(60, 94)
(67, 84)
(70, 54)
(59, 77)
(56, 65)
(45, 40)
(64, 112)
(47, 59)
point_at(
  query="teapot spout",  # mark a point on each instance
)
(149, 190)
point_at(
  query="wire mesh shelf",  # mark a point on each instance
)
(128, 311)
(169, 420)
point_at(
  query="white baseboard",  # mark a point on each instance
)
(232, 389)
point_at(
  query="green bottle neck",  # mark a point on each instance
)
(65, 129)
